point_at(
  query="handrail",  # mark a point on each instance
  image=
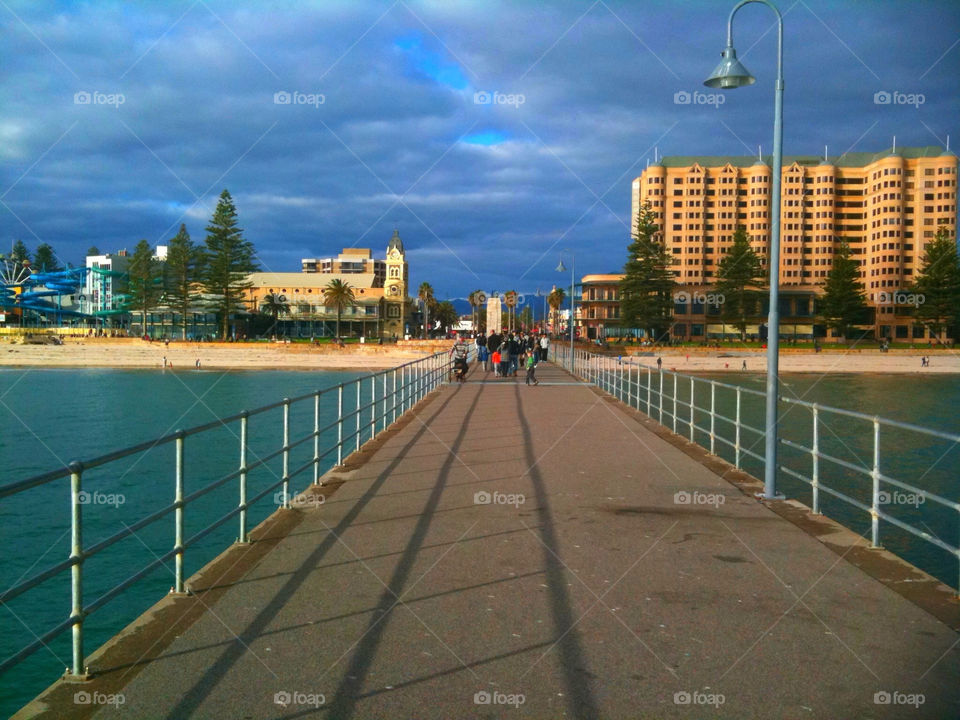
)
(663, 401)
(410, 382)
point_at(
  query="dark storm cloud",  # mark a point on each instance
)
(385, 128)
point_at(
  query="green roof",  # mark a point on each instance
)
(860, 159)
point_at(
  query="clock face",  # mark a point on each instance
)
(394, 289)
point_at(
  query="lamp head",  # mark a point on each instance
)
(561, 268)
(730, 73)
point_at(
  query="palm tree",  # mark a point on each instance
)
(555, 301)
(276, 305)
(425, 294)
(475, 300)
(339, 294)
(510, 300)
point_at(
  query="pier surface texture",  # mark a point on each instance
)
(516, 551)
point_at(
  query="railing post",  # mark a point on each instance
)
(875, 506)
(691, 410)
(286, 453)
(359, 383)
(178, 516)
(661, 397)
(384, 376)
(649, 386)
(340, 425)
(244, 418)
(674, 403)
(713, 416)
(76, 570)
(815, 453)
(373, 406)
(403, 389)
(316, 438)
(736, 446)
(393, 393)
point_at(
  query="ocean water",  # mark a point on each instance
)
(54, 416)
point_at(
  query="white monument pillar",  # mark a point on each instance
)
(494, 311)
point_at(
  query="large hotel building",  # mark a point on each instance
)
(887, 206)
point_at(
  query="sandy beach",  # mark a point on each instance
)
(135, 353)
(907, 362)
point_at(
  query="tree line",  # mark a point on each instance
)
(648, 288)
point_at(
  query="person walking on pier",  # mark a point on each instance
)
(482, 352)
(544, 346)
(531, 369)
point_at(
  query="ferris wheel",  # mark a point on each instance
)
(13, 273)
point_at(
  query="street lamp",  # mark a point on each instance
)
(729, 74)
(561, 268)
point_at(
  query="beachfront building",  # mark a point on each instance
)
(379, 286)
(887, 206)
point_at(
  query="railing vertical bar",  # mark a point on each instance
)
(661, 397)
(815, 457)
(393, 394)
(357, 434)
(316, 438)
(340, 425)
(76, 570)
(286, 453)
(244, 419)
(875, 505)
(373, 406)
(713, 416)
(674, 403)
(736, 446)
(649, 386)
(692, 392)
(178, 515)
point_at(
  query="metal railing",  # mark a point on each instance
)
(676, 401)
(389, 394)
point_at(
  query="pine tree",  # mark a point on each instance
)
(45, 259)
(842, 304)
(19, 252)
(228, 260)
(93, 250)
(938, 285)
(739, 275)
(646, 291)
(144, 285)
(184, 265)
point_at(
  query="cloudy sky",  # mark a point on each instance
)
(491, 134)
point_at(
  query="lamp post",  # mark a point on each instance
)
(561, 268)
(729, 74)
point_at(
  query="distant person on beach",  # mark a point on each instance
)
(659, 363)
(744, 365)
(198, 363)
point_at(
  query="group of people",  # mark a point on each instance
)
(506, 353)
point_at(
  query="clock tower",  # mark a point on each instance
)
(395, 288)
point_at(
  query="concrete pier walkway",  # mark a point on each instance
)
(539, 552)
